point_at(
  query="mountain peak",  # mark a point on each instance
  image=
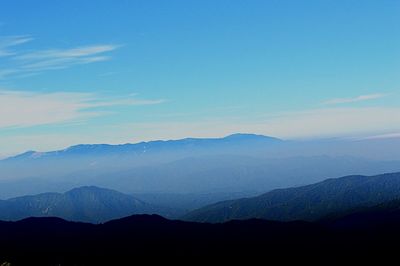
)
(249, 136)
(92, 189)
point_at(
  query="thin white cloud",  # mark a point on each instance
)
(360, 98)
(78, 52)
(383, 136)
(7, 42)
(60, 63)
(25, 109)
(20, 64)
(59, 59)
(131, 101)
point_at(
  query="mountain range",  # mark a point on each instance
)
(328, 199)
(231, 143)
(239, 163)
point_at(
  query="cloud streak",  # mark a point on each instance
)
(26, 109)
(7, 42)
(20, 64)
(360, 98)
(68, 53)
(58, 59)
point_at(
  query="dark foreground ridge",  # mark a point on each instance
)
(53, 241)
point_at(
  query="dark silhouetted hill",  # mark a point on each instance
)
(148, 238)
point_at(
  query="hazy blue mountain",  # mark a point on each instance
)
(88, 204)
(231, 142)
(238, 163)
(97, 158)
(308, 203)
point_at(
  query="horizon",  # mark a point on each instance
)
(373, 137)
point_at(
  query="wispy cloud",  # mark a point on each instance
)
(7, 42)
(68, 53)
(383, 136)
(129, 102)
(25, 109)
(20, 63)
(360, 98)
(58, 59)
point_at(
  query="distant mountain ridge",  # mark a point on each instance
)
(236, 163)
(308, 203)
(85, 204)
(150, 146)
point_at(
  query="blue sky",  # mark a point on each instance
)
(125, 71)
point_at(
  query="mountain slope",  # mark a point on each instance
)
(307, 203)
(88, 204)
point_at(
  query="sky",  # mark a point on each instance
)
(126, 71)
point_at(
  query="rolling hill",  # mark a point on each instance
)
(308, 203)
(85, 204)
